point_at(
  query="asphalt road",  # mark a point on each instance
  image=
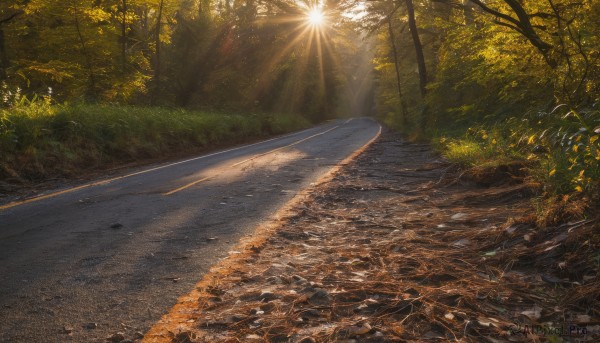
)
(83, 263)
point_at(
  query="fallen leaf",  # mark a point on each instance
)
(534, 313)
(459, 216)
(582, 319)
(355, 330)
(461, 243)
(433, 335)
(484, 322)
(552, 247)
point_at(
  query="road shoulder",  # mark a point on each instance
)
(388, 248)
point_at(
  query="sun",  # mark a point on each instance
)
(316, 17)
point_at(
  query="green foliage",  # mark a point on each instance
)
(479, 146)
(572, 142)
(497, 78)
(564, 150)
(38, 138)
(233, 55)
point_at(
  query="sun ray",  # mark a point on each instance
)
(308, 43)
(316, 17)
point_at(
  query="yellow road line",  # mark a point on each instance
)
(250, 159)
(104, 182)
(42, 197)
(284, 147)
(184, 311)
(187, 186)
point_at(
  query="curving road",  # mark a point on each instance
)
(81, 264)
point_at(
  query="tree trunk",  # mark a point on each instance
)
(397, 67)
(124, 36)
(4, 62)
(88, 60)
(468, 12)
(156, 91)
(412, 24)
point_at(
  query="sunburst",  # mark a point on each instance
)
(309, 44)
(316, 17)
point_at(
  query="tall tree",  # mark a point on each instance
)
(403, 106)
(414, 31)
(4, 19)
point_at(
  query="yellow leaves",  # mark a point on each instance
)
(552, 172)
(531, 140)
(576, 148)
(97, 14)
(593, 139)
(579, 189)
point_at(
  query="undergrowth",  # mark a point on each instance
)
(560, 149)
(39, 139)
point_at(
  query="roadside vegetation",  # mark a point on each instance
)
(41, 140)
(87, 85)
(560, 161)
(508, 85)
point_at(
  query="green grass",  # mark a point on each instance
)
(562, 151)
(39, 140)
(478, 147)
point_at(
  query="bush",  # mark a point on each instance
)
(563, 145)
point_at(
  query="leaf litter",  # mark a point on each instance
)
(397, 248)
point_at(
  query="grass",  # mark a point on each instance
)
(561, 153)
(478, 147)
(40, 140)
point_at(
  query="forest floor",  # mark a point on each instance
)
(400, 246)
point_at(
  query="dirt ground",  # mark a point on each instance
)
(401, 246)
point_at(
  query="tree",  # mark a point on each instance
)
(414, 31)
(6, 16)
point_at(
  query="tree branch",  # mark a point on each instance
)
(496, 13)
(11, 17)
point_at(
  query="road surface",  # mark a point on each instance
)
(81, 264)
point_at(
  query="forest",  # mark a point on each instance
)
(491, 82)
